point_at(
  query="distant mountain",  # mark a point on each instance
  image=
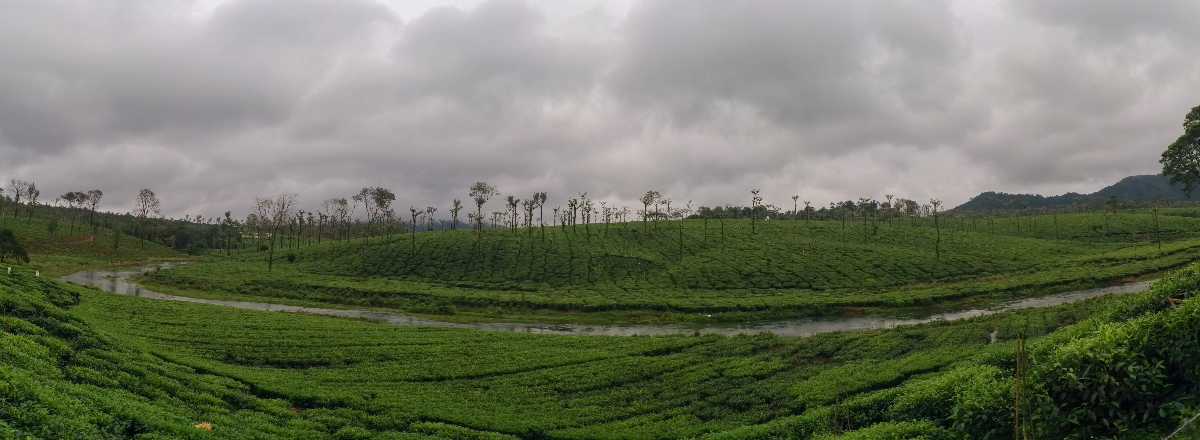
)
(1130, 189)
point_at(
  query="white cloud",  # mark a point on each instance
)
(212, 103)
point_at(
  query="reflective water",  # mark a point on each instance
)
(118, 282)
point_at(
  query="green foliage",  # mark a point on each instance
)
(535, 386)
(1181, 160)
(1120, 375)
(788, 268)
(81, 364)
(915, 430)
(64, 252)
(11, 248)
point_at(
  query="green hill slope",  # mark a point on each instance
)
(726, 267)
(64, 250)
(61, 379)
(1144, 188)
(1109, 367)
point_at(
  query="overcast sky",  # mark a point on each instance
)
(212, 103)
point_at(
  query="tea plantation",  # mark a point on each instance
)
(729, 269)
(83, 364)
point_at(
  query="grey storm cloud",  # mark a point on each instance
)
(212, 103)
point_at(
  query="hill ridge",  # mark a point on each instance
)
(1137, 188)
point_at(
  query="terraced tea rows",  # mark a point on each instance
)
(675, 270)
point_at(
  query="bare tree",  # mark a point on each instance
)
(572, 209)
(277, 213)
(682, 214)
(413, 228)
(74, 200)
(527, 208)
(383, 199)
(649, 198)
(755, 202)
(455, 208)
(93, 200)
(32, 193)
(145, 204)
(430, 211)
(18, 188)
(607, 213)
(937, 246)
(364, 199)
(585, 207)
(480, 193)
(512, 203)
(540, 199)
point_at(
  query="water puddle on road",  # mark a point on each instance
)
(119, 282)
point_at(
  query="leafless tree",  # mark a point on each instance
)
(573, 209)
(414, 212)
(455, 208)
(364, 199)
(18, 188)
(429, 212)
(145, 204)
(382, 199)
(512, 203)
(755, 202)
(277, 213)
(649, 198)
(480, 193)
(585, 207)
(32, 193)
(93, 200)
(74, 201)
(937, 247)
(540, 198)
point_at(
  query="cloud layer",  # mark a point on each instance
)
(212, 105)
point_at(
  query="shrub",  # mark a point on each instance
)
(922, 430)
(935, 398)
(11, 248)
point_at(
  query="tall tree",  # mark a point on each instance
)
(413, 241)
(755, 201)
(277, 213)
(647, 199)
(480, 193)
(1181, 160)
(17, 188)
(73, 200)
(32, 193)
(382, 198)
(338, 211)
(936, 204)
(455, 208)
(540, 199)
(228, 228)
(93, 200)
(512, 203)
(364, 199)
(145, 204)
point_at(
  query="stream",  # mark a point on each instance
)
(119, 282)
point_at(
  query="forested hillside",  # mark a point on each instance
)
(1133, 190)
